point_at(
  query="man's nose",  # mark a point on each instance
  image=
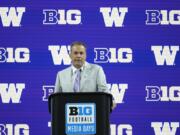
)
(79, 55)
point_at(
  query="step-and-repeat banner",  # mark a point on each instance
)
(135, 41)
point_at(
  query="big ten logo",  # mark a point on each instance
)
(163, 17)
(81, 110)
(114, 16)
(165, 128)
(11, 92)
(163, 93)
(11, 16)
(60, 54)
(62, 17)
(48, 90)
(113, 55)
(121, 129)
(165, 54)
(12, 55)
(11, 129)
(118, 91)
(80, 118)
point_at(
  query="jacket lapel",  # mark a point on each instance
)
(70, 82)
(84, 76)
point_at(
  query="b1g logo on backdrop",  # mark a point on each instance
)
(47, 91)
(121, 129)
(11, 92)
(163, 17)
(14, 55)
(11, 16)
(61, 17)
(80, 118)
(163, 93)
(113, 55)
(14, 129)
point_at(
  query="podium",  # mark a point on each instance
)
(80, 113)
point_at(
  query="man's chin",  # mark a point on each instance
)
(78, 65)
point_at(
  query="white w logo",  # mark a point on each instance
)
(60, 54)
(165, 54)
(11, 16)
(165, 128)
(11, 92)
(113, 16)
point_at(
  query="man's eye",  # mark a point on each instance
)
(81, 53)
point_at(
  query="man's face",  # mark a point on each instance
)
(78, 55)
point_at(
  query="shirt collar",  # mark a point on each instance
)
(82, 68)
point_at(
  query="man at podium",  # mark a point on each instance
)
(81, 76)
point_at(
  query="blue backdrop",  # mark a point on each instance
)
(135, 41)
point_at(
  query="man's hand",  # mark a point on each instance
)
(114, 105)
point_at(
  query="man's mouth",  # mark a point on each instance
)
(78, 60)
